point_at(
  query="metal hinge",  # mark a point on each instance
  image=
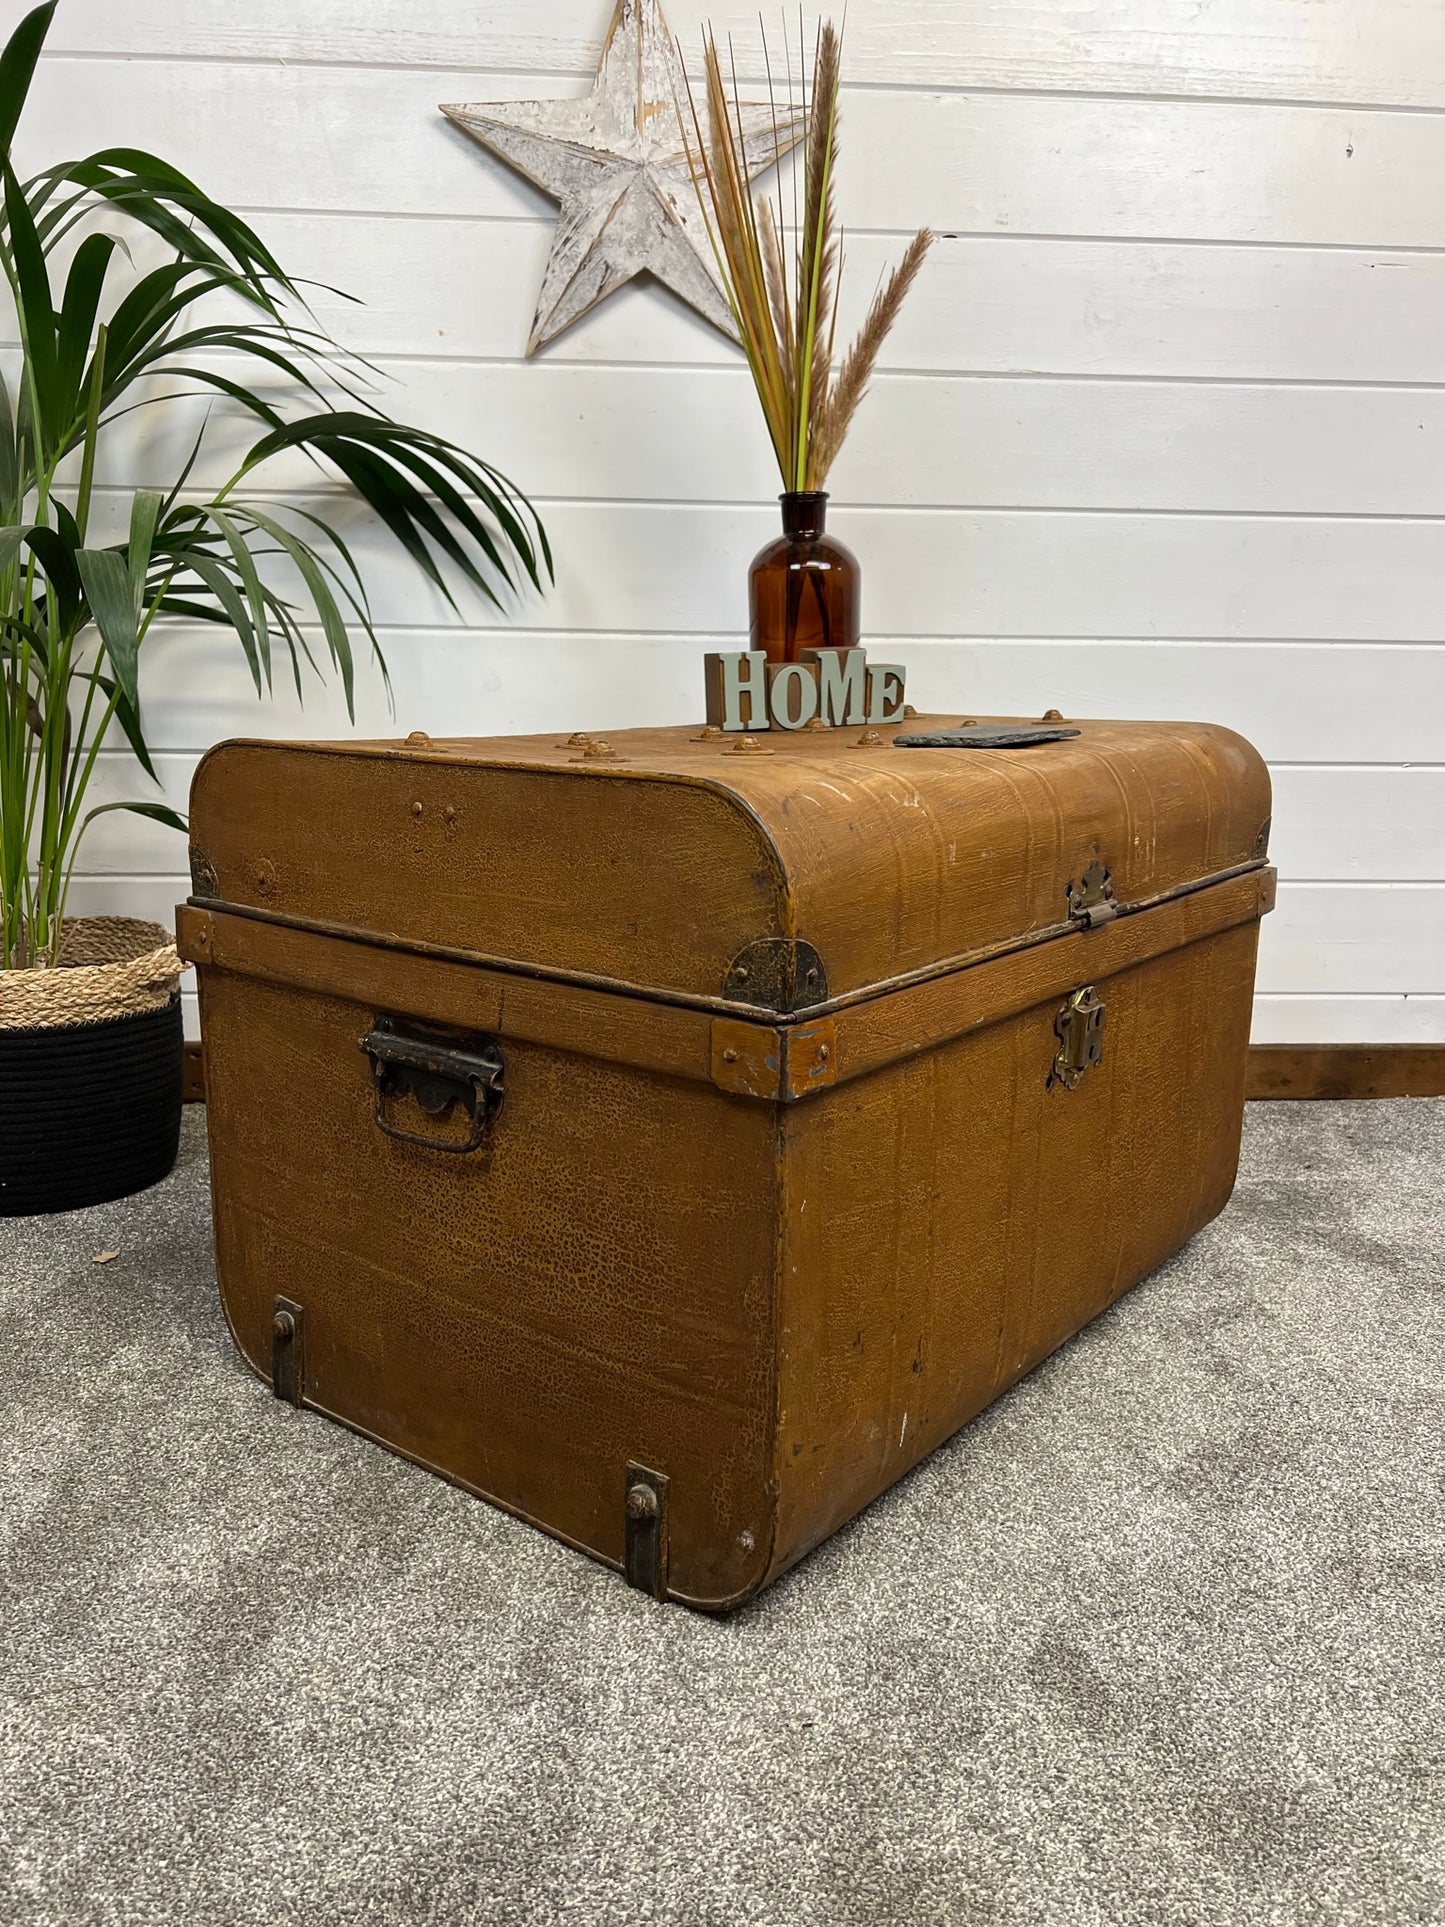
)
(1079, 1028)
(645, 1530)
(288, 1378)
(1091, 900)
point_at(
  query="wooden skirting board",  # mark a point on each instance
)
(1275, 1070)
(1346, 1070)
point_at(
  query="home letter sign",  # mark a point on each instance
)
(828, 688)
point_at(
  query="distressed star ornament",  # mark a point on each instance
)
(617, 162)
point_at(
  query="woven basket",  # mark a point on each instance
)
(109, 967)
(91, 1067)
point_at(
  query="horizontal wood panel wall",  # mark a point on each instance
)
(1162, 432)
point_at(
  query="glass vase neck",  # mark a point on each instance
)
(805, 512)
(803, 587)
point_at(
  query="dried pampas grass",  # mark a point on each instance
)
(786, 308)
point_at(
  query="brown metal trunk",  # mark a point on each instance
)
(818, 1092)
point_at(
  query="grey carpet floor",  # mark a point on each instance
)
(1159, 1639)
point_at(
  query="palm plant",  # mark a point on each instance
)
(74, 612)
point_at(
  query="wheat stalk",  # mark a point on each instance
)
(817, 246)
(858, 364)
(776, 271)
(787, 322)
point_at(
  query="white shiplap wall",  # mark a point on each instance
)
(1162, 433)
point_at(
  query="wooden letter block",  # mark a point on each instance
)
(842, 684)
(885, 692)
(792, 694)
(737, 690)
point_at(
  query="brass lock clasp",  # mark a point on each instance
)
(1079, 1028)
(1091, 899)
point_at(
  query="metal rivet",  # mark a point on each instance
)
(749, 746)
(418, 739)
(730, 1056)
(909, 710)
(740, 973)
(815, 722)
(283, 1325)
(870, 739)
(416, 809)
(823, 1053)
(579, 739)
(1051, 716)
(641, 1502)
(710, 734)
(812, 977)
(450, 812)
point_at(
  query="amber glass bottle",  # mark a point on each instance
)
(803, 588)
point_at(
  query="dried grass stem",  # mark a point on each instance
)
(787, 317)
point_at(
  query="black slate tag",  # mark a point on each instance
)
(989, 736)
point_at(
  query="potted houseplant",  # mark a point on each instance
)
(90, 1038)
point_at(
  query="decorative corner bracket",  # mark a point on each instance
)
(204, 881)
(195, 933)
(779, 1063)
(782, 974)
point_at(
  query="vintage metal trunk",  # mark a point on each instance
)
(674, 1143)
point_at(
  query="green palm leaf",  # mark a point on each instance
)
(30, 284)
(75, 613)
(17, 68)
(158, 813)
(106, 579)
(78, 312)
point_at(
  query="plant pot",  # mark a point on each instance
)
(803, 588)
(91, 1069)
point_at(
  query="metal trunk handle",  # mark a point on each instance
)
(437, 1074)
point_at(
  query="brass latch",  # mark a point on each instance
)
(1079, 1028)
(1091, 900)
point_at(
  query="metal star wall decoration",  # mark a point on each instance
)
(617, 161)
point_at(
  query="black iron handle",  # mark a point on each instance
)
(437, 1075)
